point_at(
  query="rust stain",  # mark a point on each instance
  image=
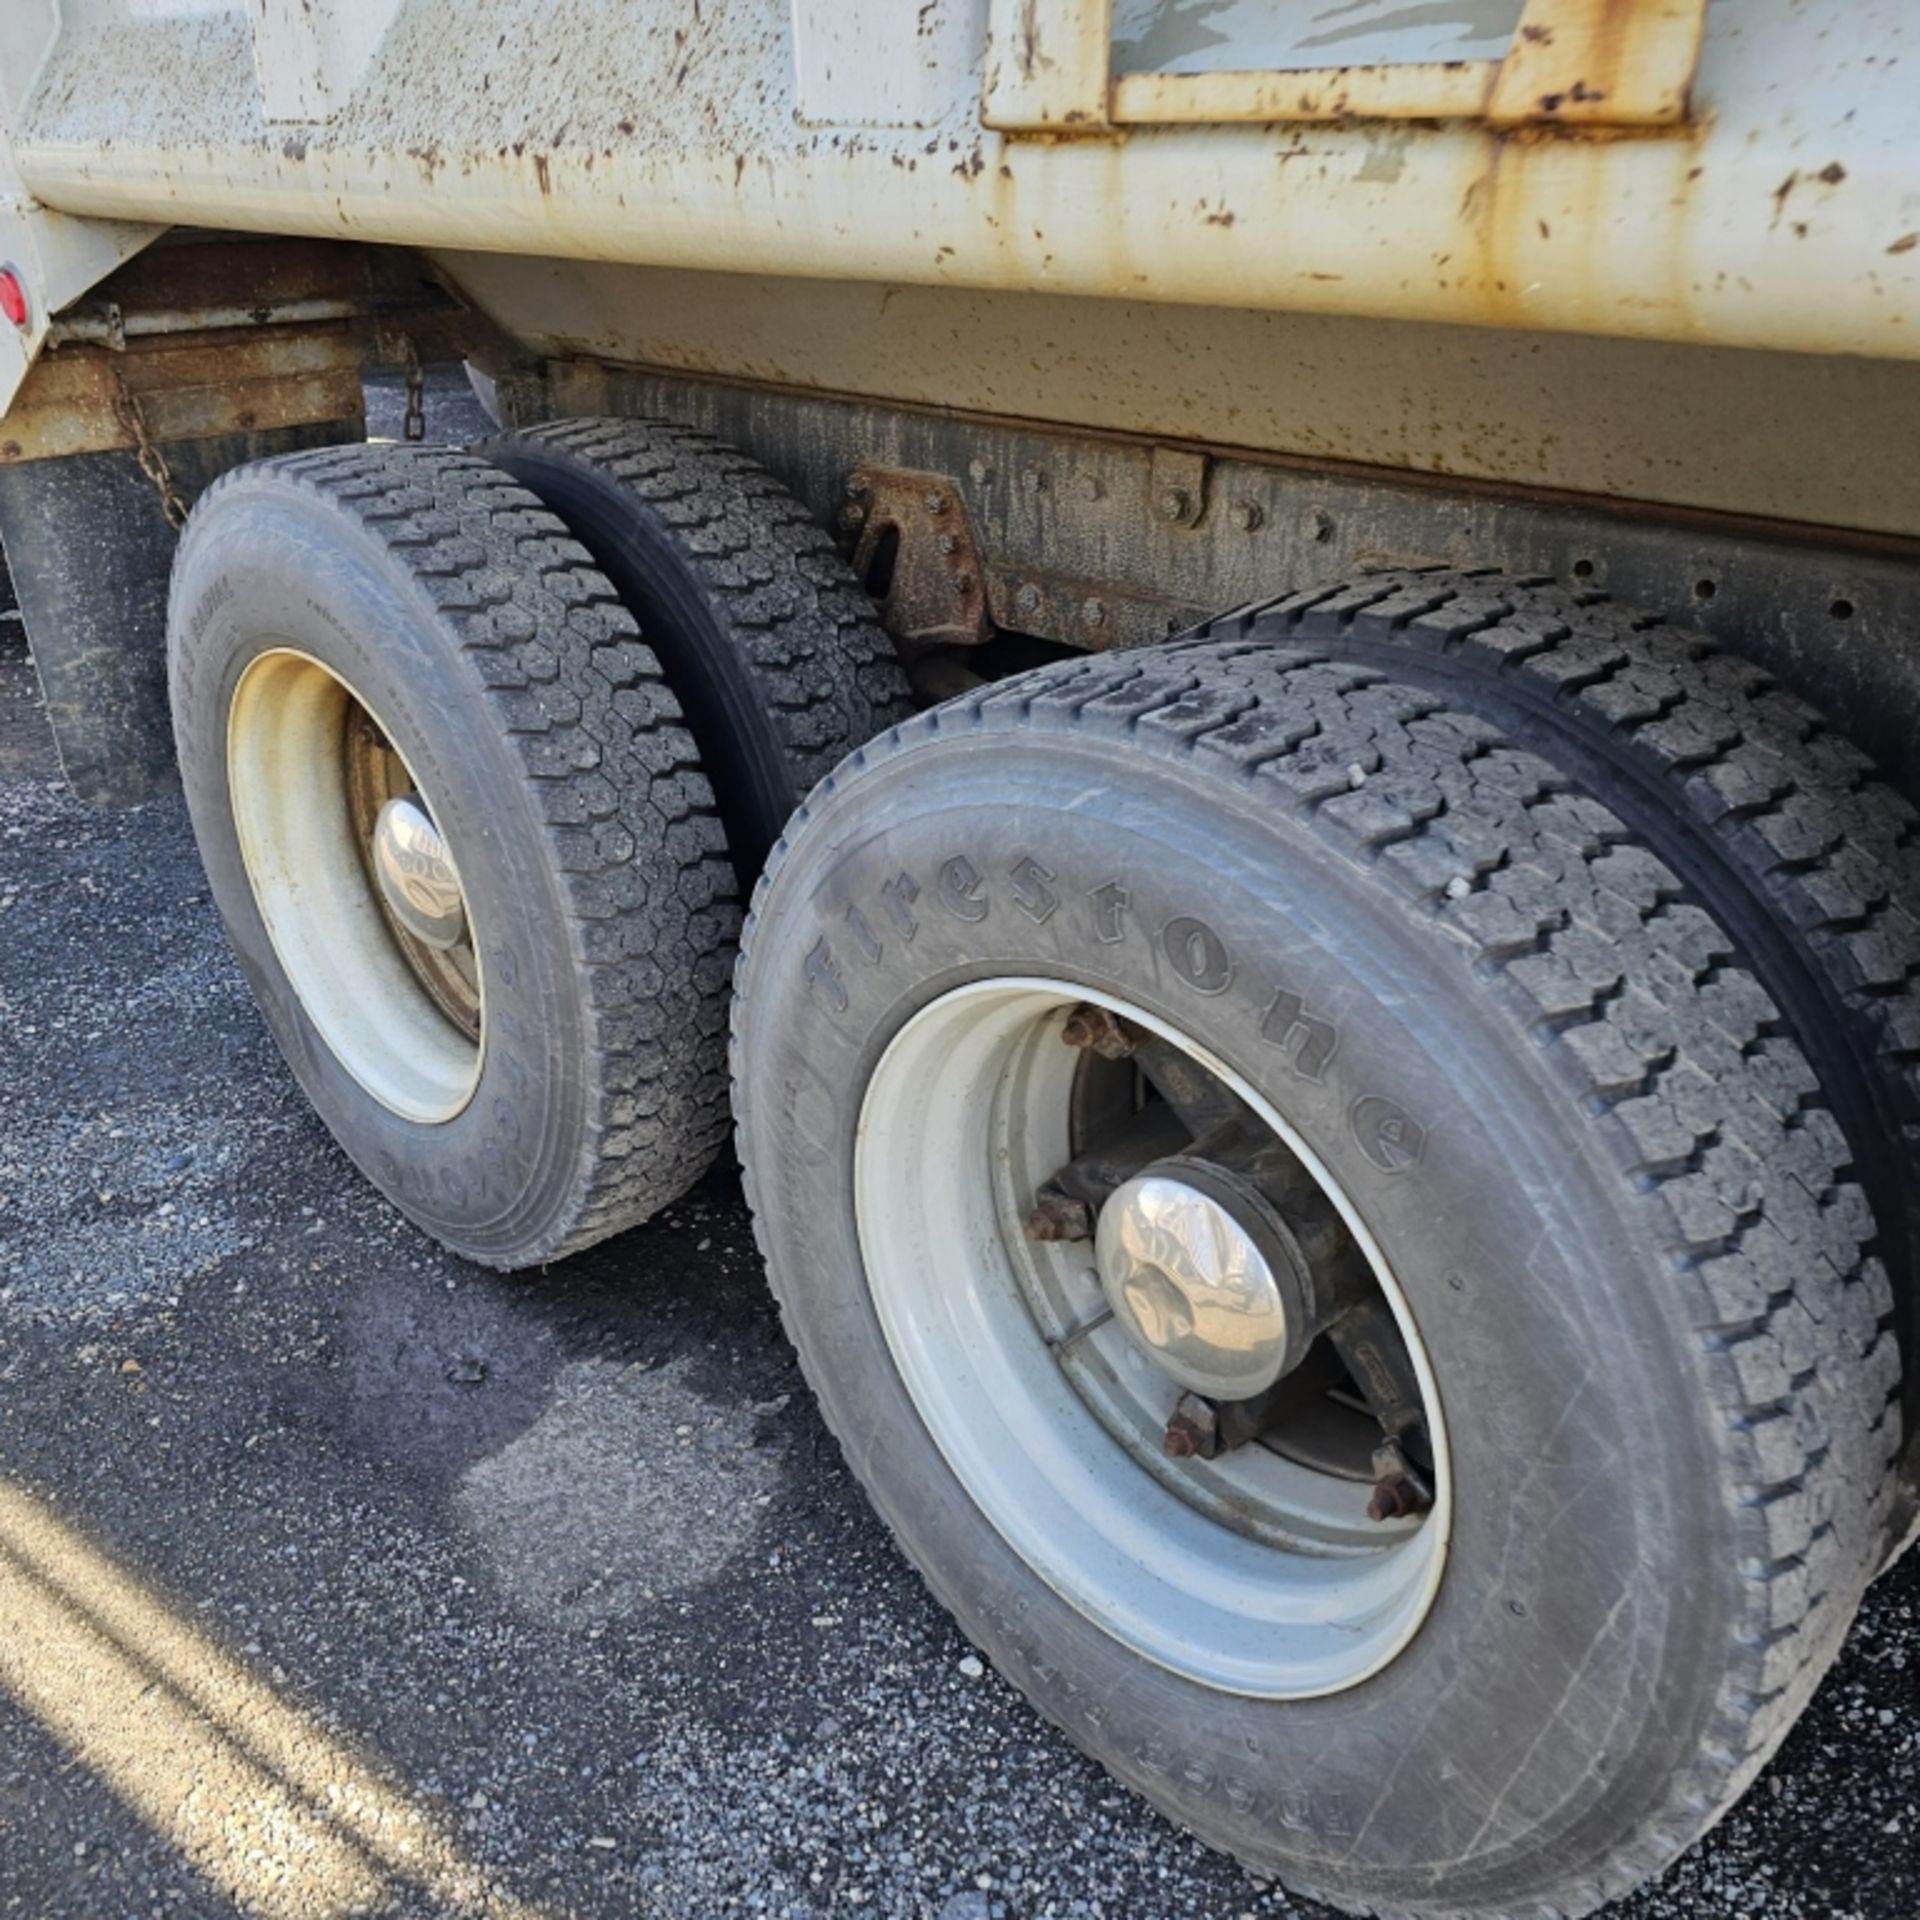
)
(1026, 44)
(1600, 62)
(1403, 90)
(1906, 243)
(1523, 198)
(541, 173)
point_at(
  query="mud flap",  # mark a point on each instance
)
(89, 549)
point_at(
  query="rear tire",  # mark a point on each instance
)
(422, 601)
(1784, 827)
(1565, 1110)
(762, 631)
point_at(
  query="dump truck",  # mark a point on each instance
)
(1234, 680)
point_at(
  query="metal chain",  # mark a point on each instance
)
(153, 463)
(416, 416)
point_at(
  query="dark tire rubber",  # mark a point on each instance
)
(1783, 827)
(594, 862)
(762, 630)
(1617, 1205)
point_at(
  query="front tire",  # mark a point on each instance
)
(1617, 1214)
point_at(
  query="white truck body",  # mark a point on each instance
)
(837, 195)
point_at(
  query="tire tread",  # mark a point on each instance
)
(1799, 818)
(826, 671)
(1662, 1041)
(633, 833)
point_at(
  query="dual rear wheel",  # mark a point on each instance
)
(477, 837)
(1342, 1233)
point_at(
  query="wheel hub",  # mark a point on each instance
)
(417, 876)
(1205, 1277)
(355, 885)
(990, 1156)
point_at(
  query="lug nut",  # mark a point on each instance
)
(1175, 504)
(1193, 1431)
(1091, 1026)
(1059, 1216)
(1394, 1498)
(1398, 1491)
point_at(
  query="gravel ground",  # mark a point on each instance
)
(357, 1579)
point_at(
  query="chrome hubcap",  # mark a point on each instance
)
(1192, 1268)
(417, 876)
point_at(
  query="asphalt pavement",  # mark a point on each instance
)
(345, 1577)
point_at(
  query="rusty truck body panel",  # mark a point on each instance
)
(1562, 268)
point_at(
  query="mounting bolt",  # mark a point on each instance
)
(935, 502)
(963, 584)
(1028, 598)
(1090, 487)
(1193, 1431)
(1246, 515)
(857, 489)
(1091, 1026)
(1094, 612)
(853, 515)
(1318, 524)
(1175, 504)
(1032, 479)
(1059, 1216)
(979, 472)
(948, 544)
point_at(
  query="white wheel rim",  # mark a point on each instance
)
(286, 780)
(966, 1112)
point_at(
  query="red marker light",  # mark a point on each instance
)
(13, 297)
